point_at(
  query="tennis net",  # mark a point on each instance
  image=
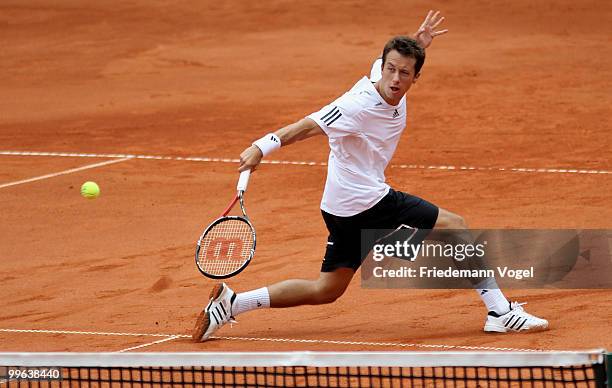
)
(305, 369)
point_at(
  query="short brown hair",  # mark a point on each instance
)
(407, 47)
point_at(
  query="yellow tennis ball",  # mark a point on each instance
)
(90, 190)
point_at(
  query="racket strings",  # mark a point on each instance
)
(226, 247)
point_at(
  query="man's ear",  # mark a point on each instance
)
(416, 77)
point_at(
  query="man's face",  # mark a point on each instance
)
(397, 77)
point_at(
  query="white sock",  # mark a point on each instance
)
(493, 297)
(251, 300)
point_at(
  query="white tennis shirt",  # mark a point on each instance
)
(363, 132)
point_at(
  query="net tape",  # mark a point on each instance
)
(319, 369)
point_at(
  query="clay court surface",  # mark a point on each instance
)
(515, 84)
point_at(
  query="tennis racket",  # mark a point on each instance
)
(228, 244)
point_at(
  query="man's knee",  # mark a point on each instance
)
(330, 288)
(448, 220)
(328, 294)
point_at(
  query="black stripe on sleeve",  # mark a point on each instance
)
(333, 119)
(330, 113)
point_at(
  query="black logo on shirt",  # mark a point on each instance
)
(395, 114)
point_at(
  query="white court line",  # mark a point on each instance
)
(87, 167)
(86, 333)
(149, 344)
(169, 337)
(377, 344)
(311, 163)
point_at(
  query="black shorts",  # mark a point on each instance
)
(344, 246)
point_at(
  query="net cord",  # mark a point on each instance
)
(316, 359)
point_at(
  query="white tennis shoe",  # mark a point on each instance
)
(217, 313)
(517, 319)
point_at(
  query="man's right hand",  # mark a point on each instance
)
(250, 158)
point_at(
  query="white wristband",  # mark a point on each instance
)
(268, 144)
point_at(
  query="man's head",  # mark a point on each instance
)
(402, 62)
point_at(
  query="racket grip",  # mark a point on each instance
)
(243, 181)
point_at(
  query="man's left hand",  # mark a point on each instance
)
(425, 34)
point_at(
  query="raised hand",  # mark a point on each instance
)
(425, 34)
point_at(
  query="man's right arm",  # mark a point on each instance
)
(300, 130)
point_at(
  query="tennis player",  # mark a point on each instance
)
(363, 128)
